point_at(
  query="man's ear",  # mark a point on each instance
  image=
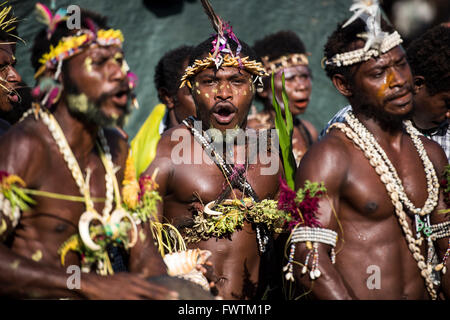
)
(342, 84)
(166, 98)
(419, 83)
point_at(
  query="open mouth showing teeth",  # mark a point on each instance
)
(224, 114)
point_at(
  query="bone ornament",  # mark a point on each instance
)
(112, 221)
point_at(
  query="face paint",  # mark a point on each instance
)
(207, 95)
(198, 91)
(386, 83)
(15, 264)
(196, 83)
(88, 64)
(78, 102)
(245, 92)
(37, 256)
(125, 68)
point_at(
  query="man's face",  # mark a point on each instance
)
(385, 85)
(223, 97)
(184, 103)
(431, 110)
(96, 85)
(9, 79)
(298, 88)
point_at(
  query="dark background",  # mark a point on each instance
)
(152, 27)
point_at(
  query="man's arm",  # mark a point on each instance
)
(24, 154)
(439, 160)
(326, 162)
(144, 256)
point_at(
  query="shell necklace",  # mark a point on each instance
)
(108, 220)
(365, 141)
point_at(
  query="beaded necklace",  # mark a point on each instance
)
(261, 235)
(359, 134)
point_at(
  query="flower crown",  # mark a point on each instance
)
(253, 67)
(69, 46)
(285, 61)
(377, 41)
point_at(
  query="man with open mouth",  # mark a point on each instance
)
(68, 158)
(13, 92)
(210, 189)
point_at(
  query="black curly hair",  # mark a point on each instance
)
(169, 70)
(429, 56)
(41, 44)
(343, 40)
(279, 44)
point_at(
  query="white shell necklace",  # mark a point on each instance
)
(106, 219)
(432, 180)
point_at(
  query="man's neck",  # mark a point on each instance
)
(391, 136)
(80, 135)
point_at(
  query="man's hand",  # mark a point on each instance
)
(124, 286)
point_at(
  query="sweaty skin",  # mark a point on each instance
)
(29, 262)
(370, 234)
(183, 186)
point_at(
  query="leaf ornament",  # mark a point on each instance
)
(285, 128)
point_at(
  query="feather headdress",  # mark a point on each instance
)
(221, 53)
(377, 41)
(46, 17)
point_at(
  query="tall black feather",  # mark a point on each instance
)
(213, 17)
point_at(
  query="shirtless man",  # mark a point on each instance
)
(223, 97)
(373, 258)
(94, 96)
(285, 52)
(428, 57)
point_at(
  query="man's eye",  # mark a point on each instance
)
(208, 81)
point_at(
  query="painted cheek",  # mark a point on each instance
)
(88, 64)
(386, 84)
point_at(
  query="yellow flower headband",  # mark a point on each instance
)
(253, 67)
(69, 46)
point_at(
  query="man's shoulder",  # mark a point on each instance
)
(333, 146)
(28, 131)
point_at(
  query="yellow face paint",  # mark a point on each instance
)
(88, 64)
(207, 95)
(196, 84)
(37, 256)
(198, 91)
(245, 92)
(386, 84)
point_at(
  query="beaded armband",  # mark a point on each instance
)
(439, 231)
(312, 237)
